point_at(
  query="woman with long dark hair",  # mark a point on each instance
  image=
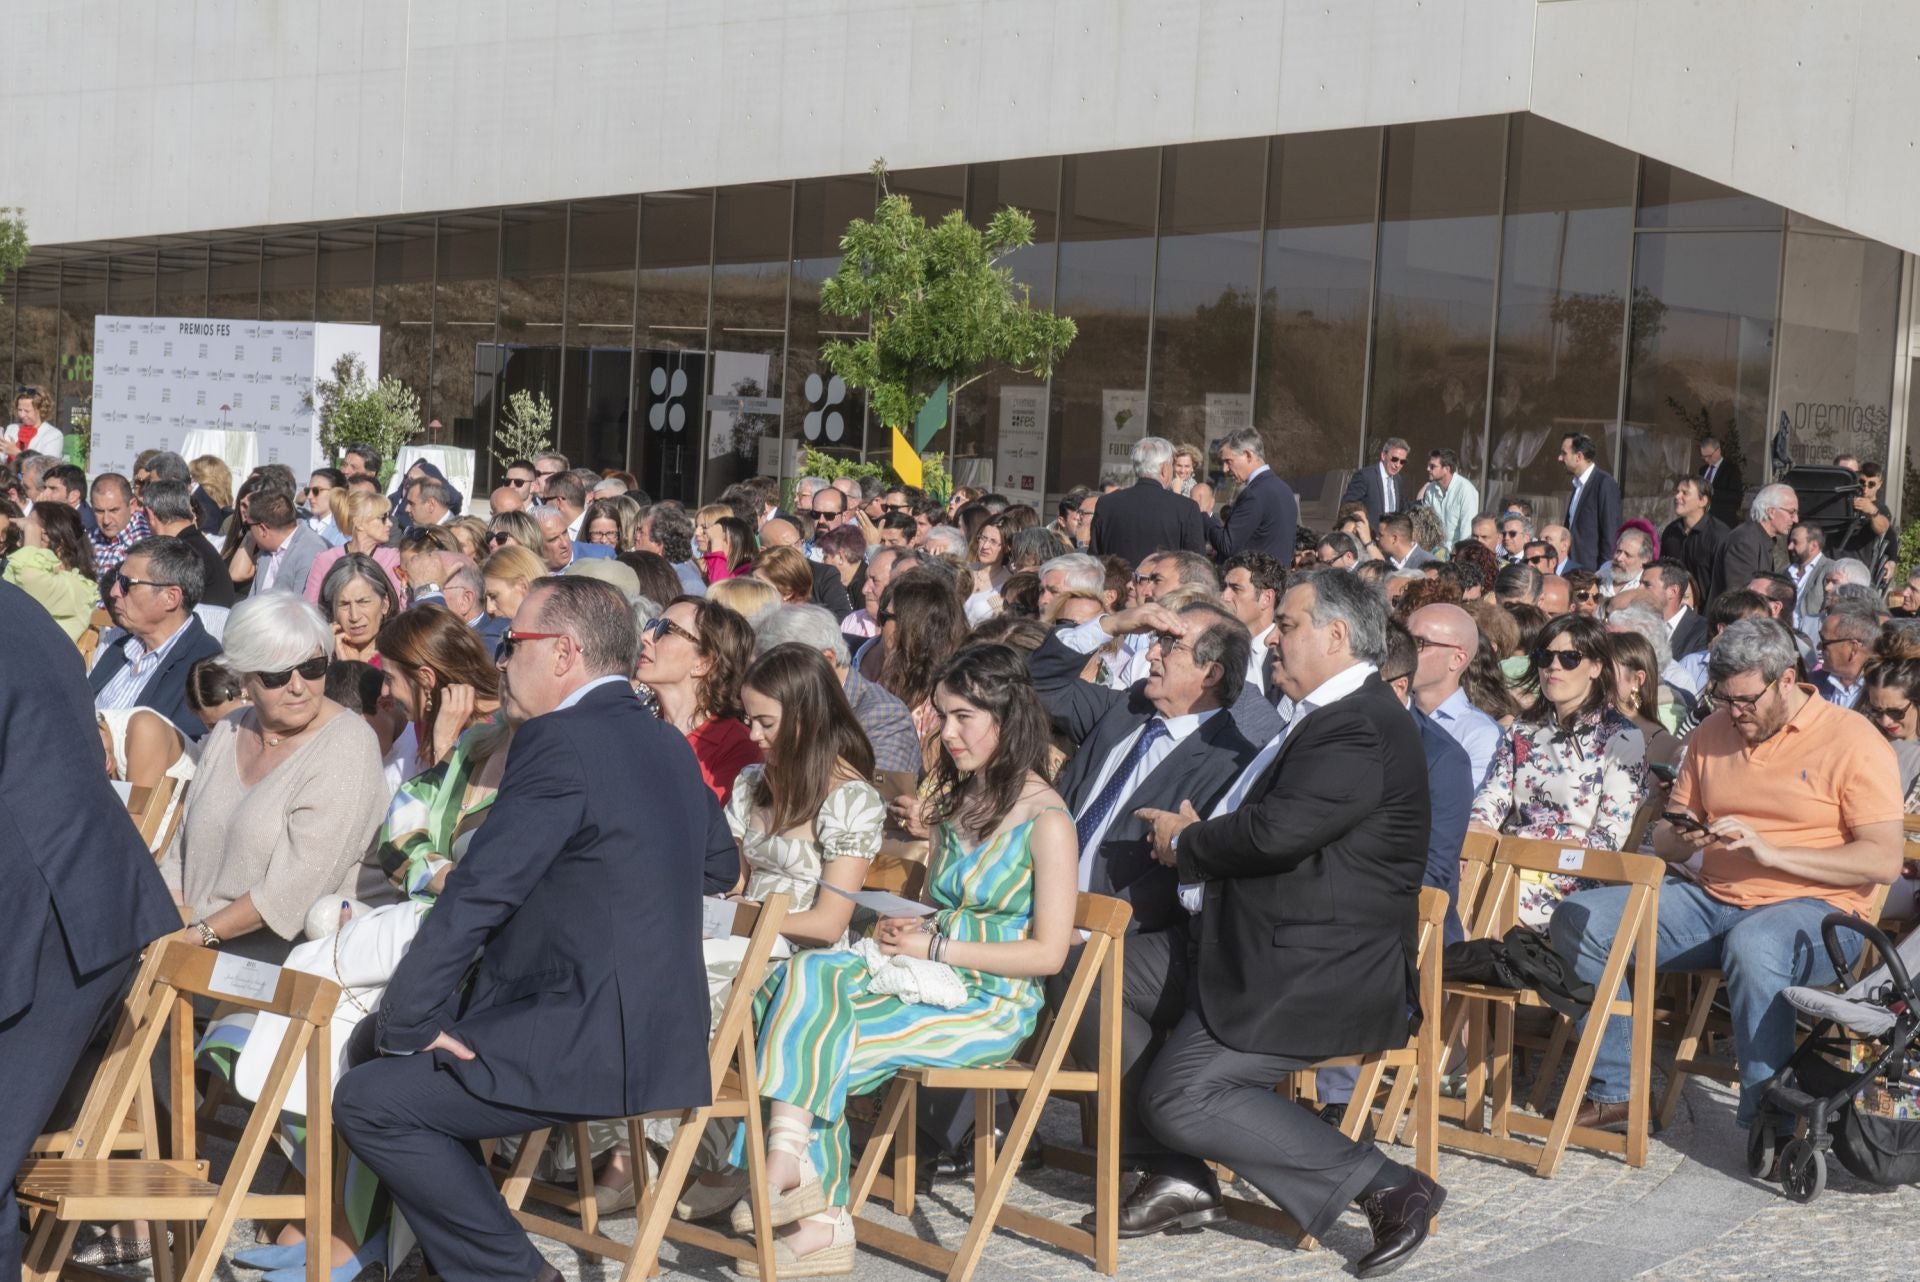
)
(1002, 883)
(921, 625)
(693, 658)
(1574, 767)
(55, 566)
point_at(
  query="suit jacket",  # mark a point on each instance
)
(1728, 491)
(1263, 518)
(206, 512)
(1146, 518)
(1812, 601)
(1307, 943)
(68, 851)
(1419, 557)
(1748, 551)
(166, 690)
(1595, 521)
(1690, 637)
(582, 893)
(296, 562)
(829, 591)
(1369, 487)
(217, 588)
(1201, 767)
(491, 629)
(1697, 549)
(1450, 786)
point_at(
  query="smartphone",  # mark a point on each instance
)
(1664, 771)
(1684, 821)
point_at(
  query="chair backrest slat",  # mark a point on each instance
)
(760, 924)
(1578, 861)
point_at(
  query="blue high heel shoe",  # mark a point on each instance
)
(291, 1256)
(374, 1251)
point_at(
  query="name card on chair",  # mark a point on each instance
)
(243, 977)
(1572, 860)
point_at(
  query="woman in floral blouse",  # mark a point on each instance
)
(1574, 768)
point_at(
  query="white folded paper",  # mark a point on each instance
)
(880, 901)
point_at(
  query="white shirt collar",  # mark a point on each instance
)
(595, 684)
(1263, 640)
(1179, 728)
(1255, 474)
(1581, 480)
(1336, 687)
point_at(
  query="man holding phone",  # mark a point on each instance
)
(1794, 807)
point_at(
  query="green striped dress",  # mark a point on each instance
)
(824, 1037)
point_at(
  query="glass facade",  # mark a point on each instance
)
(1483, 285)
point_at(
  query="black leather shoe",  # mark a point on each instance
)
(1161, 1203)
(1333, 1115)
(1398, 1217)
(958, 1163)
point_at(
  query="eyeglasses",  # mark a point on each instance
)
(1742, 702)
(896, 507)
(317, 489)
(498, 537)
(1567, 659)
(122, 582)
(1827, 643)
(313, 669)
(543, 475)
(1168, 643)
(605, 537)
(1541, 556)
(1395, 460)
(1428, 643)
(1591, 594)
(513, 639)
(1893, 716)
(517, 481)
(1151, 578)
(663, 626)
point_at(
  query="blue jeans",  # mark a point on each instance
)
(1761, 951)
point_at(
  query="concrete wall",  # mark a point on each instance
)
(141, 117)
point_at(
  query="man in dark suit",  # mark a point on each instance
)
(1721, 476)
(153, 597)
(582, 896)
(1311, 865)
(464, 591)
(1149, 517)
(1667, 579)
(1694, 535)
(1753, 548)
(1593, 510)
(1377, 485)
(1265, 512)
(169, 511)
(83, 894)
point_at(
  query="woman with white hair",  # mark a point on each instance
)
(287, 796)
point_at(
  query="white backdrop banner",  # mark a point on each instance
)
(158, 378)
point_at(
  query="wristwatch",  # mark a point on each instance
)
(207, 938)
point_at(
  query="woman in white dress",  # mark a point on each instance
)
(143, 748)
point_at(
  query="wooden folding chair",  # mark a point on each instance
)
(734, 1078)
(77, 1187)
(138, 1132)
(1476, 857)
(147, 807)
(1104, 920)
(1417, 1067)
(1542, 1141)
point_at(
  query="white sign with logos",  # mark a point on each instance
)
(1228, 412)
(1123, 421)
(1020, 458)
(156, 379)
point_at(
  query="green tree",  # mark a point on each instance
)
(526, 429)
(942, 309)
(13, 240)
(354, 411)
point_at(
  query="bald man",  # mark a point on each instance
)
(1448, 640)
(507, 498)
(1556, 598)
(779, 532)
(1562, 540)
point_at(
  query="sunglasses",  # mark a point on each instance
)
(498, 537)
(122, 582)
(1540, 557)
(1893, 716)
(509, 642)
(1567, 659)
(518, 481)
(663, 626)
(313, 669)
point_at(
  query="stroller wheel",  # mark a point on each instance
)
(1803, 1170)
(1760, 1143)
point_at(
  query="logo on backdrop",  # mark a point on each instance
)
(826, 408)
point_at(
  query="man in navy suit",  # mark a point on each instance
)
(1265, 513)
(1148, 517)
(1593, 511)
(82, 892)
(558, 547)
(152, 597)
(1378, 485)
(582, 896)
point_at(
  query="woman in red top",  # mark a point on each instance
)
(693, 658)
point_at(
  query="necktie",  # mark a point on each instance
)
(1090, 820)
(1393, 491)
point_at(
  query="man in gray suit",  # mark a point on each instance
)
(1395, 537)
(284, 548)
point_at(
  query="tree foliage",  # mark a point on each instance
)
(936, 481)
(354, 411)
(526, 429)
(13, 240)
(942, 309)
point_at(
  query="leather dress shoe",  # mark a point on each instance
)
(1398, 1217)
(1334, 1115)
(957, 1164)
(1160, 1203)
(1597, 1116)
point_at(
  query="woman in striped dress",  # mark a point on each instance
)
(1002, 884)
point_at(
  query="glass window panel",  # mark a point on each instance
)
(1033, 187)
(1211, 195)
(533, 261)
(1563, 273)
(9, 301)
(603, 239)
(1839, 305)
(1671, 197)
(83, 296)
(37, 334)
(753, 236)
(233, 280)
(1440, 220)
(676, 270)
(346, 276)
(935, 192)
(1315, 281)
(182, 287)
(1701, 357)
(826, 414)
(403, 302)
(130, 284)
(1098, 408)
(286, 277)
(466, 280)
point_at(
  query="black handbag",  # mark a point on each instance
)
(1522, 959)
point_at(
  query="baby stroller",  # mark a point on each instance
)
(1853, 1080)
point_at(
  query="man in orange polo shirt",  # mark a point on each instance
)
(1802, 804)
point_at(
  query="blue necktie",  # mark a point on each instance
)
(1089, 822)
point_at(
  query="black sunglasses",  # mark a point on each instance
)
(122, 582)
(312, 670)
(518, 481)
(1567, 659)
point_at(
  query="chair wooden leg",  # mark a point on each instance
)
(1550, 1064)
(588, 1207)
(983, 1149)
(906, 1150)
(1502, 1069)
(1699, 1010)
(992, 1193)
(886, 1136)
(1475, 1097)
(652, 1214)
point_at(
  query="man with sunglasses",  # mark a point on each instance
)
(1847, 634)
(153, 596)
(1800, 808)
(581, 894)
(545, 467)
(1378, 487)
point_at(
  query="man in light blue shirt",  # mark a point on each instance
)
(1451, 496)
(1448, 640)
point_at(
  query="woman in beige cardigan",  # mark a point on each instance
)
(288, 794)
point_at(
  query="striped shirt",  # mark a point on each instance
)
(124, 688)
